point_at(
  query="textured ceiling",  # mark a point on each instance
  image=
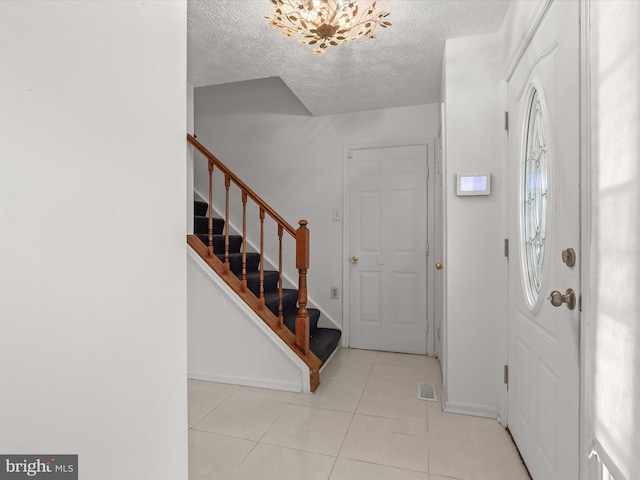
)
(230, 41)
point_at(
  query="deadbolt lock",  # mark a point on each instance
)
(557, 298)
(569, 257)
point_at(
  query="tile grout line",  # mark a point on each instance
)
(366, 382)
(258, 442)
(353, 415)
(210, 411)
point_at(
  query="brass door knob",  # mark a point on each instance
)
(557, 298)
(439, 266)
(354, 259)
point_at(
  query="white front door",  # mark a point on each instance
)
(544, 222)
(387, 249)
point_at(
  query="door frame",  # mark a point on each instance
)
(587, 467)
(430, 212)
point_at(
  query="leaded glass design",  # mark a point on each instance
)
(535, 198)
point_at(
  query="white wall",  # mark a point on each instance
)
(190, 158)
(92, 250)
(295, 161)
(613, 383)
(474, 266)
(229, 343)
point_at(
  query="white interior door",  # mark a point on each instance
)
(388, 249)
(544, 221)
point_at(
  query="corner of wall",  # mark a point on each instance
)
(190, 159)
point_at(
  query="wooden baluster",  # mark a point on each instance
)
(244, 241)
(280, 306)
(302, 264)
(227, 266)
(261, 257)
(210, 212)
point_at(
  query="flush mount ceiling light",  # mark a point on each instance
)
(325, 23)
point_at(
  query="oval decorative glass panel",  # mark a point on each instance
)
(534, 209)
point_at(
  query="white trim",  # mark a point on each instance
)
(436, 250)
(586, 437)
(346, 218)
(251, 315)
(605, 460)
(527, 36)
(245, 381)
(541, 56)
(444, 190)
(504, 394)
(429, 210)
(326, 362)
(198, 196)
(476, 410)
(431, 239)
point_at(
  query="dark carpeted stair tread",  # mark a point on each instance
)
(200, 208)
(201, 225)
(235, 242)
(235, 262)
(323, 342)
(289, 301)
(270, 281)
(314, 316)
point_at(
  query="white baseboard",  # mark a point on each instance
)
(475, 410)
(244, 381)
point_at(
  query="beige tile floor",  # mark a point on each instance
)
(364, 422)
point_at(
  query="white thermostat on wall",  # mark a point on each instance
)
(473, 184)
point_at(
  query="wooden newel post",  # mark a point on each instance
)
(302, 264)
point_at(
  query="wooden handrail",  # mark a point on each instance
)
(250, 193)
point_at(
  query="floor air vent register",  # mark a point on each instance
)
(427, 391)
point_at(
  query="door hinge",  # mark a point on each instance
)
(350, 153)
(506, 376)
(427, 249)
(506, 247)
(506, 121)
(428, 170)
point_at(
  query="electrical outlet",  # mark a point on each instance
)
(335, 292)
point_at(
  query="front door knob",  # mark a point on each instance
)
(354, 259)
(557, 298)
(439, 266)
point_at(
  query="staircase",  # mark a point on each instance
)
(258, 284)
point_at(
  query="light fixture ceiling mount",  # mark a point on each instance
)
(325, 23)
